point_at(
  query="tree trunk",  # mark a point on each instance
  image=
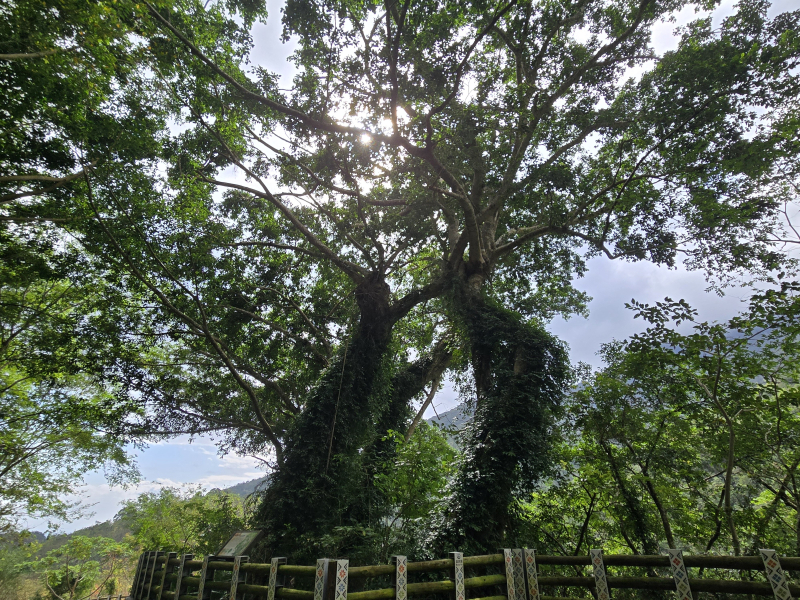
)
(632, 503)
(737, 548)
(772, 509)
(662, 511)
(322, 475)
(521, 373)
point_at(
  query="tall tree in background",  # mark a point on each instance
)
(56, 423)
(686, 439)
(429, 187)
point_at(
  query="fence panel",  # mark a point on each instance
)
(161, 576)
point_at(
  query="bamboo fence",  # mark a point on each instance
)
(513, 574)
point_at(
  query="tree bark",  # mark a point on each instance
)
(335, 444)
(632, 503)
(651, 490)
(321, 476)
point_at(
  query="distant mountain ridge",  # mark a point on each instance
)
(246, 488)
(453, 419)
(116, 530)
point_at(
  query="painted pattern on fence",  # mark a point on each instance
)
(682, 589)
(400, 577)
(775, 575)
(599, 570)
(530, 571)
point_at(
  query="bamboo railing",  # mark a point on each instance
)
(165, 576)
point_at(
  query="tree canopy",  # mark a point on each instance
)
(183, 521)
(686, 439)
(289, 269)
(56, 422)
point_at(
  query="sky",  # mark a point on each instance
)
(183, 462)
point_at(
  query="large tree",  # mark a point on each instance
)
(291, 268)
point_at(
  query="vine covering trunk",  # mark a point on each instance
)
(521, 373)
(337, 442)
(321, 480)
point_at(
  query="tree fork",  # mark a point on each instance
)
(321, 485)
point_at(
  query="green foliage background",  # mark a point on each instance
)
(189, 249)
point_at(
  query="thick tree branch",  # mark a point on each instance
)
(425, 153)
(356, 272)
(270, 245)
(57, 183)
(327, 185)
(441, 360)
(40, 54)
(198, 327)
(317, 332)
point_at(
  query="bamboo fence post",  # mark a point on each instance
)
(165, 570)
(274, 584)
(683, 591)
(400, 577)
(183, 571)
(775, 575)
(207, 573)
(157, 566)
(321, 579)
(340, 590)
(140, 582)
(530, 574)
(136, 575)
(458, 575)
(237, 577)
(508, 564)
(142, 575)
(519, 573)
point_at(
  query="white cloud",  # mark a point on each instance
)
(170, 463)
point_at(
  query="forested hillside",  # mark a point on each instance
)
(126, 524)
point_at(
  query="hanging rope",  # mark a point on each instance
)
(336, 409)
(338, 396)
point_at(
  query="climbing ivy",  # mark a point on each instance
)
(522, 372)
